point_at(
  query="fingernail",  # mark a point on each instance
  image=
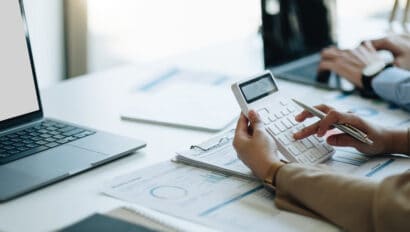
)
(252, 115)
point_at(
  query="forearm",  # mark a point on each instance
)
(351, 203)
(342, 200)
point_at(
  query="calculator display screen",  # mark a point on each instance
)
(258, 88)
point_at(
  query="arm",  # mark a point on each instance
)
(351, 203)
(393, 84)
(354, 204)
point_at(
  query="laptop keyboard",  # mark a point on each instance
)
(40, 137)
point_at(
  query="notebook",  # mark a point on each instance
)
(103, 223)
(183, 98)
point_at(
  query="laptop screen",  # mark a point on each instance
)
(17, 87)
(293, 29)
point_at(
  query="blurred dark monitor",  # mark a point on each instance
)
(296, 28)
(294, 32)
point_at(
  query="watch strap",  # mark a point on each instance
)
(271, 174)
(367, 90)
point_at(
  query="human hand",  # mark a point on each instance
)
(254, 145)
(349, 63)
(399, 45)
(382, 141)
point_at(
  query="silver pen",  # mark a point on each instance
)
(348, 129)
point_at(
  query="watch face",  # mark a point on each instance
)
(373, 68)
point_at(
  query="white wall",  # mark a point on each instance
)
(45, 24)
(140, 31)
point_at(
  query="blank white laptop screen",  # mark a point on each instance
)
(17, 88)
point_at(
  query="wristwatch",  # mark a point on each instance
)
(370, 72)
(270, 176)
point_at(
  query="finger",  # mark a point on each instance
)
(344, 140)
(255, 121)
(369, 46)
(351, 56)
(241, 126)
(329, 53)
(353, 120)
(326, 123)
(307, 131)
(359, 52)
(328, 65)
(385, 44)
(324, 108)
(305, 114)
(335, 117)
(241, 132)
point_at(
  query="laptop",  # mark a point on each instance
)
(294, 33)
(37, 151)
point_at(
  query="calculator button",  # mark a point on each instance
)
(290, 137)
(306, 143)
(312, 139)
(321, 149)
(278, 115)
(319, 139)
(292, 121)
(284, 139)
(264, 114)
(299, 146)
(284, 102)
(280, 126)
(293, 150)
(274, 129)
(272, 118)
(328, 147)
(303, 160)
(291, 109)
(286, 123)
(311, 157)
(284, 112)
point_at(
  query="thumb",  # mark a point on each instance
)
(255, 120)
(385, 44)
(344, 140)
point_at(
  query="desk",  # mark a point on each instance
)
(94, 100)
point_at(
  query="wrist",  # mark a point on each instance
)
(270, 176)
(398, 142)
(368, 77)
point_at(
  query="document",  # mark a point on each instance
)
(220, 201)
(216, 154)
(184, 98)
(378, 168)
(375, 111)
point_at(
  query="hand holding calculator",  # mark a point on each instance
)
(261, 93)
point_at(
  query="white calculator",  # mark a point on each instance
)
(261, 93)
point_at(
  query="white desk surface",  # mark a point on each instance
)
(94, 100)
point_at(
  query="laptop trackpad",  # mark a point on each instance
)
(57, 162)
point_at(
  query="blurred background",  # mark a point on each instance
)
(75, 37)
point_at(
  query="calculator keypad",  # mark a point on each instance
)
(281, 124)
